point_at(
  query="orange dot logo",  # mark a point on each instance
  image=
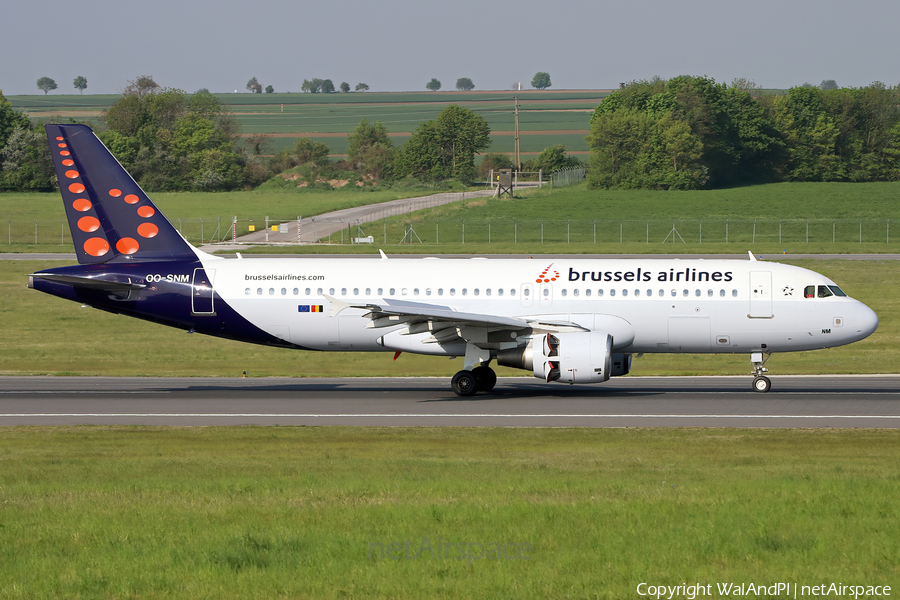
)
(146, 211)
(76, 188)
(88, 224)
(68, 162)
(147, 230)
(115, 193)
(65, 153)
(127, 245)
(96, 246)
(131, 199)
(72, 174)
(62, 145)
(59, 138)
(82, 205)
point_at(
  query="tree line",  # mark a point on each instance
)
(693, 133)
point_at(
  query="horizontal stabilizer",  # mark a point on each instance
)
(90, 283)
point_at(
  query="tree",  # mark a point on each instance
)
(433, 85)
(464, 84)
(254, 86)
(270, 89)
(828, 84)
(327, 86)
(141, 86)
(362, 87)
(345, 87)
(10, 120)
(445, 148)
(541, 80)
(80, 84)
(307, 151)
(370, 149)
(46, 84)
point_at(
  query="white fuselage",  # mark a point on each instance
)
(692, 306)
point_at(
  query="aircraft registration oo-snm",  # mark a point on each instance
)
(565, 320)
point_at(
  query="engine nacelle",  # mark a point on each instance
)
(580, 357)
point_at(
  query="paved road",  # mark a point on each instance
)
(795, 401)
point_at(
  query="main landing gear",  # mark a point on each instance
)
(469, 383)
(761, 383)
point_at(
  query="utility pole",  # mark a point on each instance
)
(518, 161)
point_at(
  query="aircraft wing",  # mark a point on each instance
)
(445, 323)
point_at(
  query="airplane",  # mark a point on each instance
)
(565, 320)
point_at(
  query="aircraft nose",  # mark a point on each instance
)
(865, 321)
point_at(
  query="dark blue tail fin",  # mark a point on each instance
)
(110, 216)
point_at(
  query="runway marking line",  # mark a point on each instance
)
(440, 415)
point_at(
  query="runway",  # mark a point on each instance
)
(829, 401)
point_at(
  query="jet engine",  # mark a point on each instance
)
(579, 357)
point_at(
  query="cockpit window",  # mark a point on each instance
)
(837, 291)
(824, 292)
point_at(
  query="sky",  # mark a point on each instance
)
(399, 45)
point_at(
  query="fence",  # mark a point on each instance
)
(746, 232)
(397, 228)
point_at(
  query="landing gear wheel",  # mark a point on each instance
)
(464, 383)
(486, 378)
(761, 384)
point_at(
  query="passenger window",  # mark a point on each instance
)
(427, 291)
(649, 293)
(284, 291)
(296, 292)
(404, 291)
(624, 292)
(259, 291)
(477, 291)
(574, 292)
(415, 291)
(343, 291)
(500, 292)
(308, 291)
(565, 292)
(709, 293)
(612, 292)
(637, 292)
(587, 292)
(809, 291)
(824, 292)
(674, 293)
(452, 291)
(512, 292)
(356, 291)
(527, 292)
(722, 293)
(599, 292)
(247, 291)
(393, 291)
(271, 291)
(734, 293)
(685, 293)
(546, 292)
(380, 291)
(697, 293)
(319, 292)
(487, 292)
(662, 293)
(465, 291)
(331, 291)
(440, 291)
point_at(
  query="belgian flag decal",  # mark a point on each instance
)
(316, 308)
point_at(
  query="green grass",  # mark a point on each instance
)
(41, 332)
(134, 512)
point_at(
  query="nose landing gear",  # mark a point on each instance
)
(761, 383)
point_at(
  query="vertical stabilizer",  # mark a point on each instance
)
(110, 216)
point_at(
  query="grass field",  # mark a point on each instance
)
(40, 332)
(546, 117)
(139, 513)
(834, 215)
